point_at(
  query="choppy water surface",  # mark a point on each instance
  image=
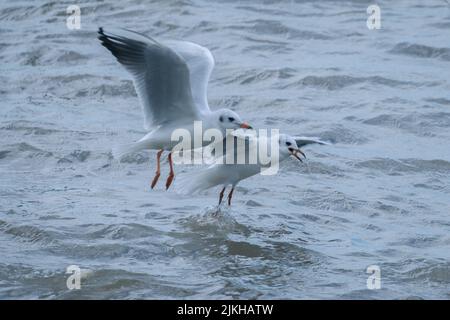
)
(378, 196)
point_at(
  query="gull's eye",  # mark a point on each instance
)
(288, 143)
(221, 119)
(231, 119)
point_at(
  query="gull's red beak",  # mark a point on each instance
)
(245, 125)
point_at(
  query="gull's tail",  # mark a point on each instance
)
(197, 180)
(123, 149)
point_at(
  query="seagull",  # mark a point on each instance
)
(171, 81)
(221, 173)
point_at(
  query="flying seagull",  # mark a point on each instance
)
(171, 81)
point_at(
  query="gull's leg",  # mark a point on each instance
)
(221, 195)
(230, 195)
(158, 167)
(171, 174)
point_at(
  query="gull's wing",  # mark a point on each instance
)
(200, 62)
(161, 76)
(241, 144)
(248, 143)
(303, 141)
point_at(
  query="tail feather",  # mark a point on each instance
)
(196, 181)
(123, 149)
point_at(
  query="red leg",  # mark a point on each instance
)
(221, 195)
(158, 167)
(230, 195)
(171, 174)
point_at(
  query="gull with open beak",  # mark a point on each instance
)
(171, 81)
(223, 174)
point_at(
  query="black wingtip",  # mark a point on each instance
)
(102, 36)
(100, 33)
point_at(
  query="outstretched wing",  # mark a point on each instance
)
(200, 62)
(303, 141)
(161, 76)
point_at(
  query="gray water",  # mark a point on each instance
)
(379, 195)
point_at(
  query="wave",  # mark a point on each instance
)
(124, 89)
(47, 56)
(341, 134)
(75, 156)
(28, 234)
(422, 124)
(28, 127)
(336, 82)
(421, 51)
(256, 76)
(439, 273)
(278, 28)
(26, 149)
(416, 166)
(123, 231)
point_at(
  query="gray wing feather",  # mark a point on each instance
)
(200, 62)
(161, 76)
(303, 141)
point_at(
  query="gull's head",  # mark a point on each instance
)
(228, 119)
(288, 147)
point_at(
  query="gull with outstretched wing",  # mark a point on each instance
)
(229, 173)
(171, 81)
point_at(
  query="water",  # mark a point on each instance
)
(377, 196)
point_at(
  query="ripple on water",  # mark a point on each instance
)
(410, 166)
(26, 150)
(214, 221)
(29, 234)
(337, 82)
(303, 67)
(428, 124)
(421, 51)
(127, 231)
(278, 28)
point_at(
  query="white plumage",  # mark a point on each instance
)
(171, 81)
(226, 175)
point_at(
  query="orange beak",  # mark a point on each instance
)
(245, 125)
